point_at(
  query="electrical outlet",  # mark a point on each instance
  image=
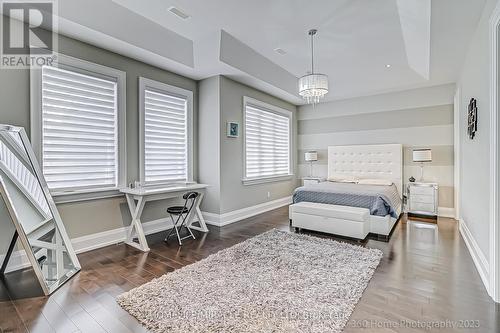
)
(268, 195)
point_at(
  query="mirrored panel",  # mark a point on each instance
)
(31, 209)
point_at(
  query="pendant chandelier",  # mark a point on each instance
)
(313, 87)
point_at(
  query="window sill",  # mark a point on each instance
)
(84, 195)
(168, 184)
(255, 181)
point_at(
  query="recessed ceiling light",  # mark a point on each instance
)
(280, 51)
(388, 66)
(179, 13)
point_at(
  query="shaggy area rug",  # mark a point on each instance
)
(275, 282)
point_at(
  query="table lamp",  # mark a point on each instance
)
(422, 156)
(311, 156)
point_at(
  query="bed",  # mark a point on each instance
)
(381, 200)
(353, 209)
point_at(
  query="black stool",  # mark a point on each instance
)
(182, 213)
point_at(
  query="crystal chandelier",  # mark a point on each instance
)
(313, 87)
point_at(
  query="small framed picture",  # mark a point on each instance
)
(233, 129)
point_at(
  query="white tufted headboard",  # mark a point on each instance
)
(368, 161)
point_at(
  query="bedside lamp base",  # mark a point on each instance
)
(421, 179)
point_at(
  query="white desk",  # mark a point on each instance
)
(152, 193)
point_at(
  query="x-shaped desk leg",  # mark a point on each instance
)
(136, 212)
(197, 211)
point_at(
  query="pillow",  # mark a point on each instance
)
(343, 179)
(385, 182)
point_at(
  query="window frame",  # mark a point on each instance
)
(145, 83)
(276, 110)
(100, 71)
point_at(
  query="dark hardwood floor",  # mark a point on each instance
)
(426, 278)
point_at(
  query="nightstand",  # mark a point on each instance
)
(423, 199)
(311, 180)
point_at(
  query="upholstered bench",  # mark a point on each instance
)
(340, 220)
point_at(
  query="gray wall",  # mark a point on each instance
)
(209, 142)
(90, 217)
(420, 118)
(28, 215)
(235, 195)
(7, 230)
(221, 158)
(474, 154)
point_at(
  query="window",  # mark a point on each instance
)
(78, 126)
(267, 142)
(166, 133)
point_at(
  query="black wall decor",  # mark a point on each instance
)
(472, 119)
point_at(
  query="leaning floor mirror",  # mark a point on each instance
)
(25, 202)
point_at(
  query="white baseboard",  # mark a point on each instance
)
(446, 212)
(97, 240)
(240, 214)
(477, 255)
(18, 260)
(86, 243)
(115, 236)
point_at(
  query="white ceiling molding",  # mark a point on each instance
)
(121, 24)
(99, 39)
(415, 19)
(237, 54)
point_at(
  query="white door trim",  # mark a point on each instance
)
(457, 105)
(494, 256)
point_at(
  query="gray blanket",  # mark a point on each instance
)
(380, 200)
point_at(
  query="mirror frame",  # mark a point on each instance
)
(53, 209)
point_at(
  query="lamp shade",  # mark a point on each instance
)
(311, 156)
(313, 87)
(422, 155)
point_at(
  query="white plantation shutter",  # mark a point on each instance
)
(267, 143)
(79, 130)
(165, 137)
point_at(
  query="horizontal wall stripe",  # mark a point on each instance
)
(442, 175)
(417, 117)
(415, 98)
(441, 155)
(413, 136)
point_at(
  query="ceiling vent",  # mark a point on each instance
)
(280, 51)
(179, 13)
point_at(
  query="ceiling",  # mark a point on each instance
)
(423, 41)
